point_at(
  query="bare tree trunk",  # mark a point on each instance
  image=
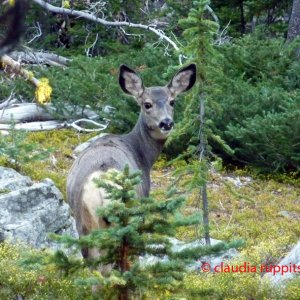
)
(253, 23)
(123, 266)
(13, 18)
(243, 21)
(202, 157)
(294, 24)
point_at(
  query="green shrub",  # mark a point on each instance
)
(252, 104)
(40, 283)
(17, 150)
(94, 82)
(259, 94)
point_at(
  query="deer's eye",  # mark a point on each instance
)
(172, 103)
(147, 105)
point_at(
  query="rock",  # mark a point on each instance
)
(289, 215)
(284, 213)
(12, 180)
(211, 260)
(30, 211)
(286, 269)
(238, 181)
(83, 146)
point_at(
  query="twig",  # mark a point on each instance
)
(229, 220)
(6, 103)
(79, 128)
(221, 205)
(39, 33)
(50, 125)
(130, 34)
(87, 50)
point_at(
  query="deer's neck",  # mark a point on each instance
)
(145, 148)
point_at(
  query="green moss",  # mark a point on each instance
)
(4, 191)
(268, 234)
(57, 166)
(36, 282)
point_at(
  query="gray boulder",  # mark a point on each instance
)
(210, 261)
(288, 268)
(30, 211)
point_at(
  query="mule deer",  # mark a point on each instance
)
(138, 149)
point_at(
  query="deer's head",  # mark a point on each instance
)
(157, 103)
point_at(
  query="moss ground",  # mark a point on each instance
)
(264, 212)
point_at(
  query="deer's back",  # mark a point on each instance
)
(108, 152)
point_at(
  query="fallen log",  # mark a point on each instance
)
(24, 112)
(29, 112)
(38, 57)
(35, 126)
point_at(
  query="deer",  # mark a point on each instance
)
(139, 149)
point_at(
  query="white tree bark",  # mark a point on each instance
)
(17, 69)
(33, 117)
(27, 112)
(34, 126)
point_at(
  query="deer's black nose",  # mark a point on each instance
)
(166, 124)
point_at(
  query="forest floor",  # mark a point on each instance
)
(262, 211)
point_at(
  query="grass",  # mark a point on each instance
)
(264, 212)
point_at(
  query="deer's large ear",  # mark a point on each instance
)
(183, 80)
(130, 81)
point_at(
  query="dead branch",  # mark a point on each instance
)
(43, 89)
(15, 67)
(89, 50)
(9, 101)
(91, 17)
(37, 34)
(38, 57)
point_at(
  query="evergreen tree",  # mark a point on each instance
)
(138, 227)
(17, 151)
(199, 33)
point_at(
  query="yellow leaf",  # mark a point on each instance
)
(43, 91)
